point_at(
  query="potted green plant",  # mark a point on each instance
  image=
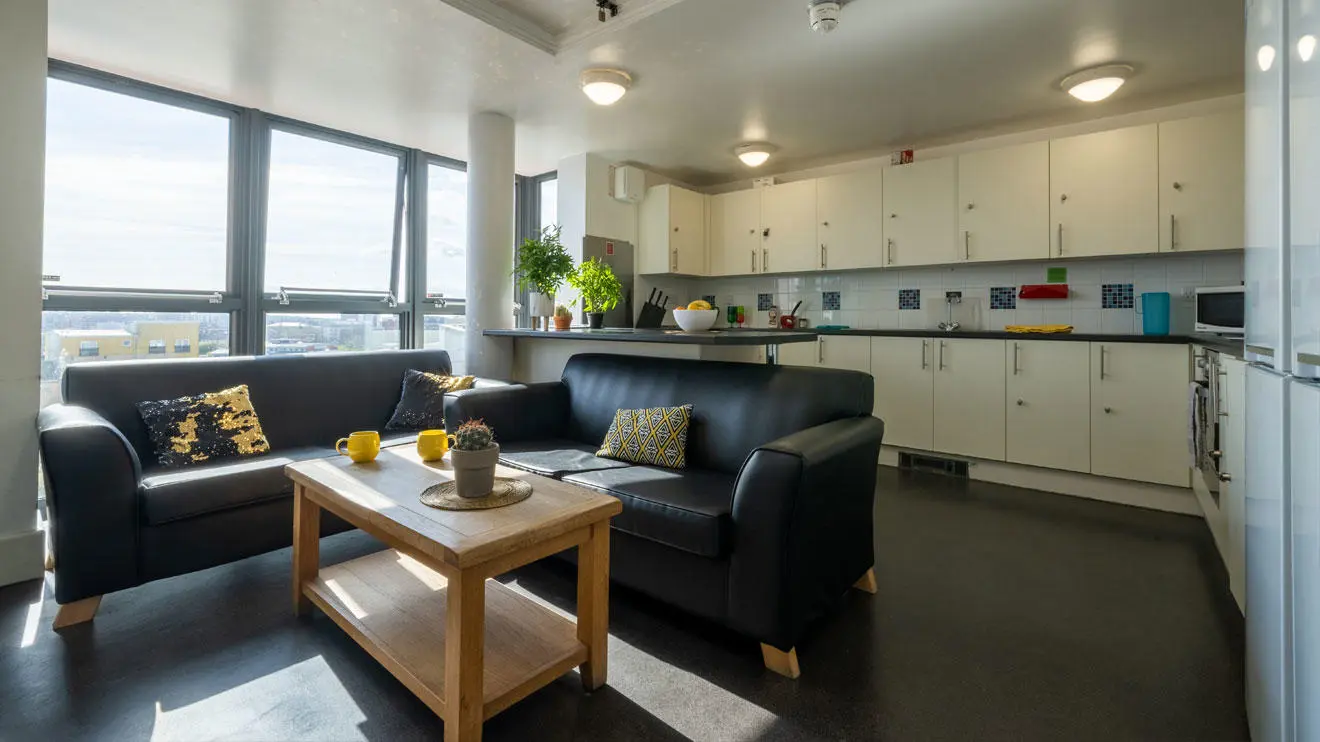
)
(473, 457)
(563, 317)
(599, 288)
(543, 264)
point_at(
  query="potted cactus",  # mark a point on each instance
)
(473, 457)
(563, 318)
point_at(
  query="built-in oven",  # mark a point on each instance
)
(1221, 310)
(1207, 411)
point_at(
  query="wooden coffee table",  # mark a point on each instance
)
(466, 645)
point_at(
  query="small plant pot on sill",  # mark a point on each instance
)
(563, 323)
(595, 320)
(474, 471)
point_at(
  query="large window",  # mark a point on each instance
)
(137, 192)
(446, 232)
(549, 197)
(330, 221)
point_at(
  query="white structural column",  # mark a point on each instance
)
(490, 244)
(22, 190)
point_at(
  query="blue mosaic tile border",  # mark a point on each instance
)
(1003, 297)
(831, 301)
(709, 299)
(1117, 296)
(764, 302)
(909, 298)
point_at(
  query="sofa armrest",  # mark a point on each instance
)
(92, 479)
(802, 525)
(517, 412)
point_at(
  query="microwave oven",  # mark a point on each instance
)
(1221, 310)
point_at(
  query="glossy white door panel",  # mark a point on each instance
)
(1266, 541)
(799, 354)
(1048, 404)
(1232, 493)
(1004, 203)
(1304, 182)
(788, 221)
(921, 220)
(850, 219)
(904, 390)
(1202, 189)
(735, 233)
(969, 397)
(1266, 175)
(844, 352)
(1139, 412)
(1305, 526)
(1104, 193)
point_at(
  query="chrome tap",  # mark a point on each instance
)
(951, 298)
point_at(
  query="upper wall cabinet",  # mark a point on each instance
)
(1004, 203)
(788, 227)
(920, 219)
(851, 220)
(672, 231)
(1104, 193)
(735, 233)
(1202, 183)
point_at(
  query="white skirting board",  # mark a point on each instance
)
(1120, 491)
(22, 556)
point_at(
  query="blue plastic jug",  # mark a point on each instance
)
(1155, 313)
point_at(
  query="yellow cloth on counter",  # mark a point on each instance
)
(1038, 328)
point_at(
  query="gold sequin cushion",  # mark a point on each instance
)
(422, 404)
(205, 428)
(656, 436)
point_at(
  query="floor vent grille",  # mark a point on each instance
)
(934, 464)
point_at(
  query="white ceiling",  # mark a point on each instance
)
(708, 73)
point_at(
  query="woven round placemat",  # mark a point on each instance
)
(506, 492)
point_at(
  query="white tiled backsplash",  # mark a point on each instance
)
(869, 299)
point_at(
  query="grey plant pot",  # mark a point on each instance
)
(474, 471)
(595, 320)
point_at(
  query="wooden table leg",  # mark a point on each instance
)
(593, 604)
(306, 547)
(465, 637)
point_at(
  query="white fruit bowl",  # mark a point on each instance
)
(696, 320)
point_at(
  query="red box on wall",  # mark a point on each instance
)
(1044, 291)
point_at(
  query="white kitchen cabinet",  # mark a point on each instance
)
(844, 352)
(788, 227)
(799, 354)
(672, 231)
(904, 390)
(969, 397)
(735, 233)
(1004, 203)
(1139, 412)
(1232, 492)
(1048, 404)
(851, 220)
(1104, 193)
(920, 201)
(1202, 192)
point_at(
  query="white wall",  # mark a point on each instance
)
(22, 179)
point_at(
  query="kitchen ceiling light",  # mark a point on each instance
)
(1097, 83)
(605, 86)
(754, 155)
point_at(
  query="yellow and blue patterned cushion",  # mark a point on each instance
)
(205, 428)
(656, 436)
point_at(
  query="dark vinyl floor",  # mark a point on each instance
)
(1003, 614)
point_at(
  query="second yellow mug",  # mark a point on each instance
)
(363, 446)
(433, 444)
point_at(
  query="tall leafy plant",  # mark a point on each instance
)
(596, 283)
(543, 263)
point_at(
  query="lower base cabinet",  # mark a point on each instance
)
(904, 390)
(969, 398)
(1048, 416)
(1139, 412)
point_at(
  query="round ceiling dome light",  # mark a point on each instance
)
(1097, 83)
(605, 86)
(755, 154)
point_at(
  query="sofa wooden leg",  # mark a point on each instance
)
(784, 663)
(50, 561)
(79, 611)
(867, 583)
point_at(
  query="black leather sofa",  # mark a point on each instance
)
(117, 521)
(772, 520)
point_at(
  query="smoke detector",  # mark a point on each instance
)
(824, 15)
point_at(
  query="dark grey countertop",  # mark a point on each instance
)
(1216, 342)
(663, 335)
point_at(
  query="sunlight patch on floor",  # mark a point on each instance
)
(33, 620)
(292, 703)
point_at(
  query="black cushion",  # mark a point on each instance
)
(207, 428)
(736, 407)
(170, 495)
(555, 458)
(422, 401)
(303, 400)
(686, 509)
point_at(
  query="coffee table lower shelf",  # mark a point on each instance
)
(394, 606)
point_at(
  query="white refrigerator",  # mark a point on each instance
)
(1283, 344)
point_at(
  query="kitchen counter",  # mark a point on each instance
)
(1231, 346)
(665, 336)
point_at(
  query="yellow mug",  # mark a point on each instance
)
(432, 445)
(363, 446)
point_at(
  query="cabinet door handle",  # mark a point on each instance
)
(1173, 232)
(967, 245)
(765, 260)
(925, 345)
(1109, 410)
(674, 260)
(941, 365)
(1102, 367)
(889, 251)
(1016, 348)
(820, 349)
(822, 255)
(753, 261)
(1020, 403)
(1060, 238)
